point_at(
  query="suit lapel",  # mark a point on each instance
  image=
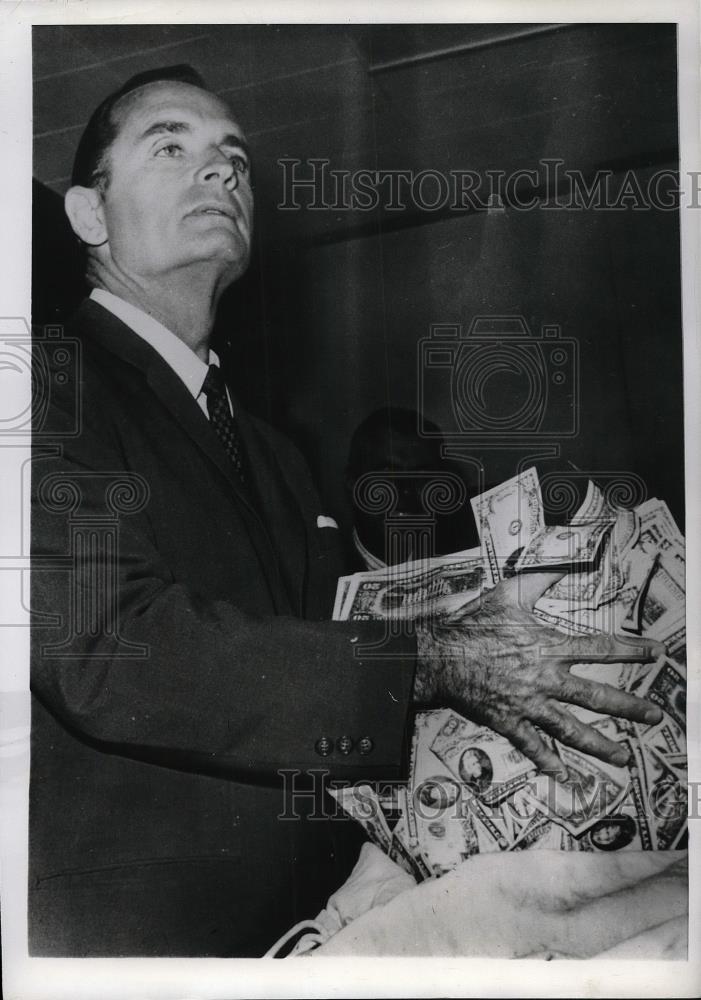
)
(283, 518)
(101, 325)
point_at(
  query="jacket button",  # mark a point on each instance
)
(323, 746)
(365, 745)
(344, 745)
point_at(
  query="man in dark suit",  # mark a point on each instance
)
(180, 660)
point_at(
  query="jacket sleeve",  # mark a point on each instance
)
(130, 658)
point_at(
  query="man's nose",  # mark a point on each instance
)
(218, 168)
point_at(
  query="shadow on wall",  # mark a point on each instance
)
(57, 260)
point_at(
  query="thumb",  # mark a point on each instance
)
(525, 589)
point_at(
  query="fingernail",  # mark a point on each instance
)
(621, 758)
(653, 715)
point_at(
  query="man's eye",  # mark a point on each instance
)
(240, 162)
(170, 149)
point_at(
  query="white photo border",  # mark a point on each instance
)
(25, 977)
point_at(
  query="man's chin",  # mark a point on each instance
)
(232, 256)
(236, 264)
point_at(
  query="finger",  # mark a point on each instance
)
(525, 589)
(561, 724)
(606, 699)
(526, 739)
(610, 649)
(459, 614)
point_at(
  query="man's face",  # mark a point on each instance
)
(608, 833)
(470, 765)
(179, 191)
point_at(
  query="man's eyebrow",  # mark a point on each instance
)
(172, 127)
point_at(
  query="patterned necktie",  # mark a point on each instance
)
(221, 420)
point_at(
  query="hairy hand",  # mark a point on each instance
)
(501, 667)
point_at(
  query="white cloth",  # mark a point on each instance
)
(190, 369)
(374, 881)
(535, 904)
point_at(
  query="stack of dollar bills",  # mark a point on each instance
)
(469, 790)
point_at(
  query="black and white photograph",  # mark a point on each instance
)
(351, 433)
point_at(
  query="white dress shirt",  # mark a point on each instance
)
(174, 351)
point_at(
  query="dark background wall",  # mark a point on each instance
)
(327, 324)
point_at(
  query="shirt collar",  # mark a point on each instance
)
(175, 352)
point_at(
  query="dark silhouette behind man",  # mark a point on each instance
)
(387, 445)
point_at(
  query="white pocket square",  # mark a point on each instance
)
(323, 521)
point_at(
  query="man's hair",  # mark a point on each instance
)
(90, 167)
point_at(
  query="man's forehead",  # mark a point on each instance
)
(174, 101)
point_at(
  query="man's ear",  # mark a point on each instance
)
(85, 213)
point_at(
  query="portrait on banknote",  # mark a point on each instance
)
(355, 452)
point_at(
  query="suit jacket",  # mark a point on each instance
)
(180, 661)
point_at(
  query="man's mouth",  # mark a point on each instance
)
(222, 210)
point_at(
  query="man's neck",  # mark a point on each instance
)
(185, 303)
